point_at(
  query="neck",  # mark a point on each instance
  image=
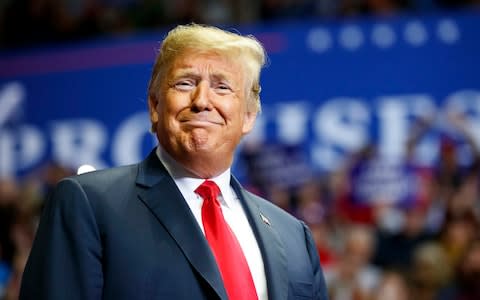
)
(197, 167)
(204, 166)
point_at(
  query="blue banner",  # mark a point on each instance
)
(329, 88)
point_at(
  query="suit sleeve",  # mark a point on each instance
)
(320, 288)
(65, 260)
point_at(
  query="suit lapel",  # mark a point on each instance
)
(271, 246)
(159, 192)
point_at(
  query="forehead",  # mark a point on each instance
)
(211, 63)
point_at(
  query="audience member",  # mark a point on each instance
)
(354, 277)
(429, 271)
(467, 281)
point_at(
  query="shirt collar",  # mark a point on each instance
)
(186, 179)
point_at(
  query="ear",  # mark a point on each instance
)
(248, 122)
(152, 108)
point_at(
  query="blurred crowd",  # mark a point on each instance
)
(423, 248)
(426, 248)
(31, 22)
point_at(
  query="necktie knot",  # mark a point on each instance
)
(208, 190)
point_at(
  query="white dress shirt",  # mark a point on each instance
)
(232, 211)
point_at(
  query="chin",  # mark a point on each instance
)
(200, 143)
(203, 150)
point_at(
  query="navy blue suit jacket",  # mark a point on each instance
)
(127, 233)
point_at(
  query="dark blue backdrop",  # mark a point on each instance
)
(329, 87)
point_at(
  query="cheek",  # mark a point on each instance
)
(167, 109)
(175, 102)
(232, 110)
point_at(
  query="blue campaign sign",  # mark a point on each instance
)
(378, 181)
(329, 87)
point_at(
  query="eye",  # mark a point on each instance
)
(184, 85)
(222, 88)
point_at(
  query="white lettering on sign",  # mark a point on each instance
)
(395, 113)
(78, 142)
(11, 97)
(127, 140)
(330, 130)
(292, 121)
(339, 123)
(20, 148)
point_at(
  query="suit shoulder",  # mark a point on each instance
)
(106, 178)
(106, 174)
(102, 189)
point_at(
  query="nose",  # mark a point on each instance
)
(200, 97)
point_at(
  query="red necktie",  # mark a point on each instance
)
(225, 247)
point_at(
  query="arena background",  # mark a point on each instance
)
(334, 85)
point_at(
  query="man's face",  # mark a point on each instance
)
(201, 111)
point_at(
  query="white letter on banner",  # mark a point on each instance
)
(343, 122)
(127, 141)
(11, 98)
(340, 122)
(291, 122)
(7, 154)
(78, 142)
(394, 126)
(467, 102)
(20, 149)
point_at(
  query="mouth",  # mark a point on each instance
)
(199, 123)
(200, 120)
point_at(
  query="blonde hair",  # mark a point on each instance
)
(203, 38)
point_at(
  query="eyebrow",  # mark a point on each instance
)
(187, 72)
